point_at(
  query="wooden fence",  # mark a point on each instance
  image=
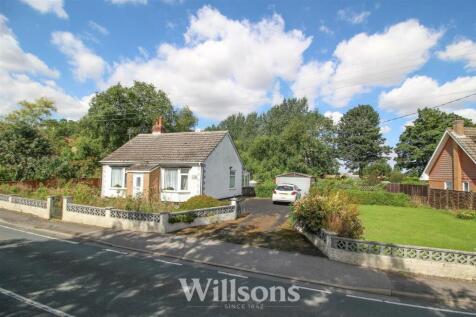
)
(437, 198)
(451, 199)
(55, 182)
(411, 190)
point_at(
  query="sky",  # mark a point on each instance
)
(224, 57)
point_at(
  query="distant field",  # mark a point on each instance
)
(418, 226)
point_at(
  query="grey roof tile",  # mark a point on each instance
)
(168, 147)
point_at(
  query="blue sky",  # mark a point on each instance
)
(221, 57)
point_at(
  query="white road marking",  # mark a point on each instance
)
(40, 235)
(115, 251)
(167, 262)
(314, 289)
(236, 275)
(414, 306)
(33, 303)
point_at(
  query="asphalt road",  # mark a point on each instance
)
(41, 276)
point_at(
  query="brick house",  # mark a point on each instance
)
(453, 164)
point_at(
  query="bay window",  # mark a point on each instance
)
(176, 179)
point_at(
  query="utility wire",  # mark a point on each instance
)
(434, 107)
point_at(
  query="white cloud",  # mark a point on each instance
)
(16, 84)
(463, 50)
(47, 6)
(422, 91)
(226, 65)
(352, 17)
(277, 97)
(312, 77)
(385, 129)
(14, 59)
(467, 113)
(325, 29)
(98, 28)
(367, 61)
(334, 115)
(86, 64)
(120, 2)
(16, 88)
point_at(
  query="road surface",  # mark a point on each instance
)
(44, 276)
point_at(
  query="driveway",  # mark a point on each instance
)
(261, 224)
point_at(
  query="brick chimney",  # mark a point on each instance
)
(458, 127)
(158, 127)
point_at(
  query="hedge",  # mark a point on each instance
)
(265, 189)
(379, 198)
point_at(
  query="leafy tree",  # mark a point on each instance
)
(120, 113)
(378, 168)
(359, 141)
(32, 113)
(288, 137)
(418, 142)
(23, 150)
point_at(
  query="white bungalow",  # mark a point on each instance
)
(175, 166)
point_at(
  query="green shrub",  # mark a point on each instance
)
(265, 189)
(466, 214)
(202, 201)
(186, 218)
(379, 197)
(333, 212)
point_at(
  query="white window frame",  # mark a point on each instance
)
(178, 181)
(123, 172)
(465, 184)
(445, 185)
(234, 178)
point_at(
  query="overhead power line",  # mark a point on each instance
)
(433, 107)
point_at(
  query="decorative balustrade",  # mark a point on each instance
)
(199, 213)
(403, 251)
(134, 215)
(4, 197)
(87, 210)
(29, 202)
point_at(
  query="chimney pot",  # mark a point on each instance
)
(458, 127)
(158, 127)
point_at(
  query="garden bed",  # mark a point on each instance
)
(418, 226)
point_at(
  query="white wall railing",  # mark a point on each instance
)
(40, 208)
(395, 257)
(163, 222)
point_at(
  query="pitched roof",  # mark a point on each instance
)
(467, 142)
(294, 174)
(168, 147)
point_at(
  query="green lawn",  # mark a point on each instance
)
(418, 226)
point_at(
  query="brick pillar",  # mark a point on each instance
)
(66, 200)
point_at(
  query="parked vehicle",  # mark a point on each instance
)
(288, 193)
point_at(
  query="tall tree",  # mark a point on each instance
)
(22, 151)
(120, 113)
(359, 140)
(288, 137)
(418, 142)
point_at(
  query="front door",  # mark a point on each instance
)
(137, 184)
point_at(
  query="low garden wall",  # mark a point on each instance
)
(146, 222)
(39, 208)
(394, 257)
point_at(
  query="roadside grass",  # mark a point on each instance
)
(418, 226)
